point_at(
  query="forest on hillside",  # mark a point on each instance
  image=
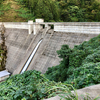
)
(55, 10)
(64, 10)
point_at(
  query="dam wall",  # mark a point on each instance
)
(19, 46)
(20, 43)
(46, 55)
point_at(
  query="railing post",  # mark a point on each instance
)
(30, 22)
(37, 25)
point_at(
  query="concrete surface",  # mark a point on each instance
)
(88, 29)
(46, 55)
(17, 42)
(30, 47)
(4, 74)
(92, 91)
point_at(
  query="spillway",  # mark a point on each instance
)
(31, 57)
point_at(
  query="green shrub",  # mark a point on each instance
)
(46, 9)
(30, 85)
(1, 13)
(80, 66)
(25, 13)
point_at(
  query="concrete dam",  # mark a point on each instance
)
(22, 38)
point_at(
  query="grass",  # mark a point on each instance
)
(5, 7)
(1, 13)
(8, 13)
(25, 13)
(98, 0)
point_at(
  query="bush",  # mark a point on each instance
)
(80, 65)
(46, 9)
(30, 85)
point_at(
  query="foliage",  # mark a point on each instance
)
(68, 95)
(4, 8)
(80, 66)
(47, 9)
(1, 1)
(1, 13)
(60, 10)
(31, 85)
(3, 51)
(2, 65)
(79, 10)
(25, 13)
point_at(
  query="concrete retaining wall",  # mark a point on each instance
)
(78, 27)
(23, 25)
(18, 25)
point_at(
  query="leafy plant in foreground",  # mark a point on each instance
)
(31, 85)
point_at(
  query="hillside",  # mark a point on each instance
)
(10, 12)
(51, 10)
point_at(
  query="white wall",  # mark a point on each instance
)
(32, 27)
(18, 25)
(85, 27)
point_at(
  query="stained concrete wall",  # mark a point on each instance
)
(17, 42)
(28, 51)
(78, 27)
(20, 45)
